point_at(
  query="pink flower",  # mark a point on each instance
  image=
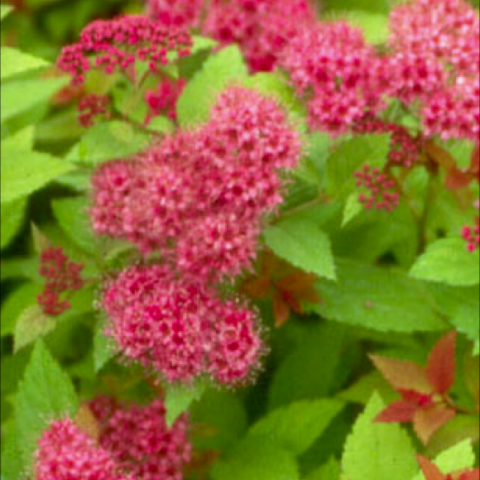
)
(91, 106)
(139, 441)
(180, 13)
(115, 45)
(342, 78)
(66, 453)
(172, 324)
(262, 28)
(163, 101)
(382, 193)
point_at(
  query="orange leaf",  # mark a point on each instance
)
(85, 420)
(398, 412)
(292, 301)
(457, 179)
(297, 282)
(472, 475)
(440, 156)
(428, 421)
(475, 161)
(429, 469)
(258, 288)
(281, 310)
(441, 364)
(403, 375)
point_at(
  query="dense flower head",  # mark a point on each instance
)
(200, 196)
(67, 453)
(163, 100)
(91, 106)
(262, 28)
(139, 440)
(404, 148)
(381, 189)
(338, 72)
(454, 110)
(447, 30)
(180, 13)
(180, 327)
(62, 277)
(115, 45)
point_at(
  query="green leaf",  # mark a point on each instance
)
(353, 207)
(108, 141)
(361, 391)
(373, 25)
(378, 298)
(31, 325)
(13, 306)
(4, 11)
(103, 349)
(72, 216)
(297, 426)
(224, 68)
(179, 398)
(321, 352)
(304, 245)
(20, 96)
(448, 261)
(23, 172)
(256, 458)
(14, 62)
(12, 215)
(459, 457)
(329, 471)
(376, 451)
(350, 156)
(375, 6)
(12, 467)
(45, 393)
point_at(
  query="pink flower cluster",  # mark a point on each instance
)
(180, 327)
(163, 100)
(92, 106)
(62, 276)
(200, 196)
(262, 28)
(382, 189)
(139, 441)
(339, 74)
(115, 45)
(67, 453)
(404, 148)
(134, 444)
(472, 236)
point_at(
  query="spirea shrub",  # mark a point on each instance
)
(240, 240)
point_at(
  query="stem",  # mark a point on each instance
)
(449, 401)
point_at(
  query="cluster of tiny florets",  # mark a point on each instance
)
(178, 13)
(115, 45)
(62, 277)
(181, 327)
(163, 100)
(405, 149)
(200, 196)
(339, 74)
(92, 106)
(381, 189)
(67, 453)
(139, 441)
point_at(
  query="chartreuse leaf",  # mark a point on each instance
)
(448, 261)
(31, 325)
(108, 141)
(178, 399)
(374, 6)
(72, 216)
(256, 458)
(103, 349)
(23, 172)
(373, 25)
(12, 467)
(4, 11)
(353, 207)
(12, 214)
(223, 68)
(377, 298)
(329, 471)
(304, 245)
(376, 451)
(14, 62)
(19, 96)
(350, 156)
(298, 425)
(459, 457)
(45, 393)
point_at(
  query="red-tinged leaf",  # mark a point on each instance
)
(440, 156)
(475, 161)
(398, 412)
(429, 469)
(472, 475)
(419, 399)
(292, 301)
(258, 288)
(281, 310)
(403, 375)
(85, 420)
(441, 364)
(457, 179)
(429, 420)
(297, 282)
